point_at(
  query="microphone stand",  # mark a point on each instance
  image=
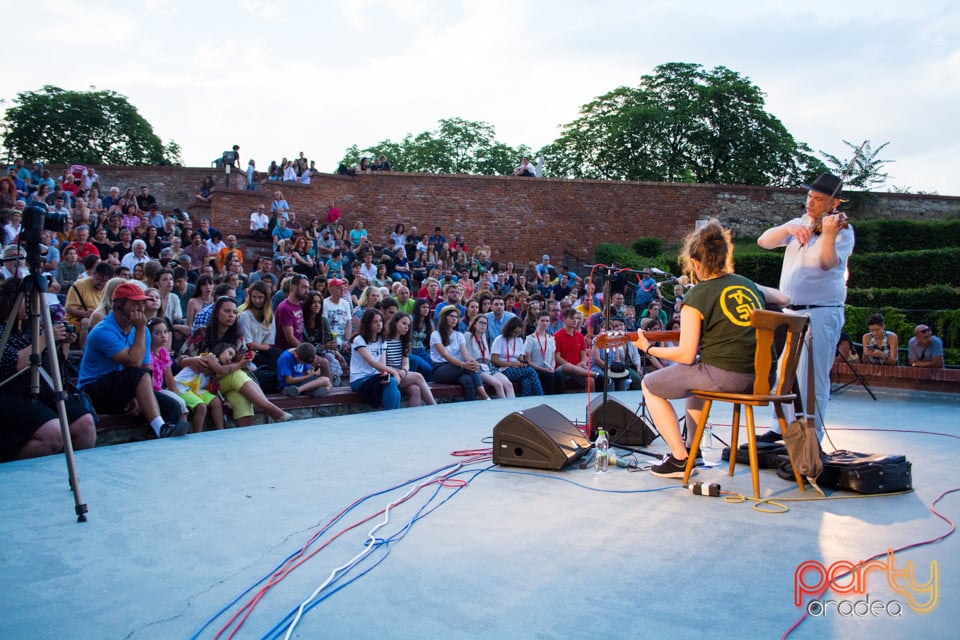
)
(608, 277)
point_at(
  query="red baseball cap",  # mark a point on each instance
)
(336, 282)
(129, 291)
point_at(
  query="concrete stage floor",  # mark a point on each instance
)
(179, 529)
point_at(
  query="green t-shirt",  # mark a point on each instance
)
(727, 340)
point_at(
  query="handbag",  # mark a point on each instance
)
(266, 377)
(800, 436)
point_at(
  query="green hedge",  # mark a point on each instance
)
(648, 247)
(610, 252)
(905, 268)
(895, 319)
(877, 236)
(934, 296)
(763, 268)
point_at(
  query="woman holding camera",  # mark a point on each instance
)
(31, 427)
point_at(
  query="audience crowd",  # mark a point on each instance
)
(323, 303)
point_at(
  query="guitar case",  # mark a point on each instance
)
(768, 454)
(865, 473)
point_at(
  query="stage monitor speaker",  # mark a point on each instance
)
(623, 426)
(538, 438)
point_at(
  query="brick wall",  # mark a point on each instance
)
(521, 218)
(899, 377)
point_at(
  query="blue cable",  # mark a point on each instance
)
(422, 512)
(317, 537)
(384, 543)
(583, 486)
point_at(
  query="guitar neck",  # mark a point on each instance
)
(655, 336)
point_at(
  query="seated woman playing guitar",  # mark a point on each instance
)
(715, 325)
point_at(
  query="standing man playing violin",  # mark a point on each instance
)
(818, 246)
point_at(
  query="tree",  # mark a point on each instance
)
(88, 127)
(457, 146)
(682, 124)
(866, 170)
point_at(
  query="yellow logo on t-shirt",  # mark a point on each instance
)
(738, 303)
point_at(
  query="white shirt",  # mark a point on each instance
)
(337, 316)
(540, 350)
(130, 260)
(457, 342)
(254, 331)
(259, 221)
(173, 312)
(479, 350)
(359, 367)
(804, 281)
(368, 272)
(509, 349)
(213, 249)
(23, 272)
(10, 233)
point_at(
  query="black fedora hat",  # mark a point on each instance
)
(827, 184)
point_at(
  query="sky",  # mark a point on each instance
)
(281, 78)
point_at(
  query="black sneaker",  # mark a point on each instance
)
(697, 459)
(669, 468)
(770, 436)
(291, 391)
(170, 429)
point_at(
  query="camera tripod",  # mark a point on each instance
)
(32, 289)
(857, 377)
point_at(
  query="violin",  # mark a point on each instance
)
(844, 221)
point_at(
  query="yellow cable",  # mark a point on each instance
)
(738, 498)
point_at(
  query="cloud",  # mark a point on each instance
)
(278, 79)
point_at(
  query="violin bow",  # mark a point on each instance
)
(849, 168)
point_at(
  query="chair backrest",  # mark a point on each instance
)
(766, 323)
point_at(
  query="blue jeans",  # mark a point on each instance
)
(390, 393)
(446, 373)
(421, 364)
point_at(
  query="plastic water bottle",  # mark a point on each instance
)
(706, 442)
(601, 447)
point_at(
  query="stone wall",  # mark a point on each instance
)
(521, 218)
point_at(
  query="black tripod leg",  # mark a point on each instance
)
(857, 377)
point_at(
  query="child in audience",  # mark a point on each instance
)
(297, 372)
(195, 386)
(397, 346)
(160, 362)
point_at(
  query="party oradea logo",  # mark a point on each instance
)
(846, 578)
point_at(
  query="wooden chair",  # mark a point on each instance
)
(765, 323)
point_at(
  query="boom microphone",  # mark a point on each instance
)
(668, 282)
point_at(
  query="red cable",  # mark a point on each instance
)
(295, 561)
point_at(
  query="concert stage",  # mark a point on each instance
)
(183, 529)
